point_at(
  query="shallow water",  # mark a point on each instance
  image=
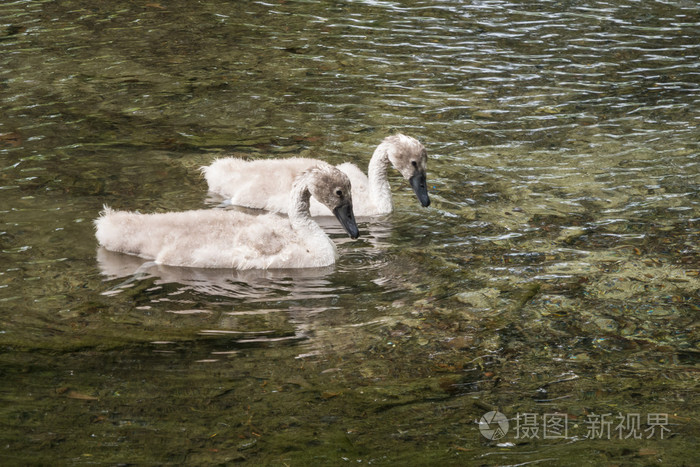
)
(556, 271)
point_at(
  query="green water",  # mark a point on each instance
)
(556, 272)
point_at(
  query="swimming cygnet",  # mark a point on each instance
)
(266, 184)
(215, 238)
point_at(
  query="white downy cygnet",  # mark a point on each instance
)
(215, 238)
(267, 184)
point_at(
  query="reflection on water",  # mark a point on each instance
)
(231, 290)
(247, 286)
(555, 271)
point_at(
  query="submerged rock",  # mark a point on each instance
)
(482, 298)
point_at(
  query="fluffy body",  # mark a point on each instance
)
(214, 238)
(266, 183)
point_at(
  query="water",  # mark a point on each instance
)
(556, 271)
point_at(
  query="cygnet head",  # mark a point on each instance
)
(409, 157)
(331, 187)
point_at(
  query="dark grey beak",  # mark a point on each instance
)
(420, 187)
(346, 218)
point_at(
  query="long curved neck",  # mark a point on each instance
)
(299, 216)
(379, 188)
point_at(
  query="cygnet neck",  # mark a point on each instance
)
(298, 211)
(380, 191)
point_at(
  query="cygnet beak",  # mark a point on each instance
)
(420, 187)
(346, 217)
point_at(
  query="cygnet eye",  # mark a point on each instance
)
(339, 193)
(414, 164)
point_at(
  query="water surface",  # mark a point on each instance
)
(556, 271)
